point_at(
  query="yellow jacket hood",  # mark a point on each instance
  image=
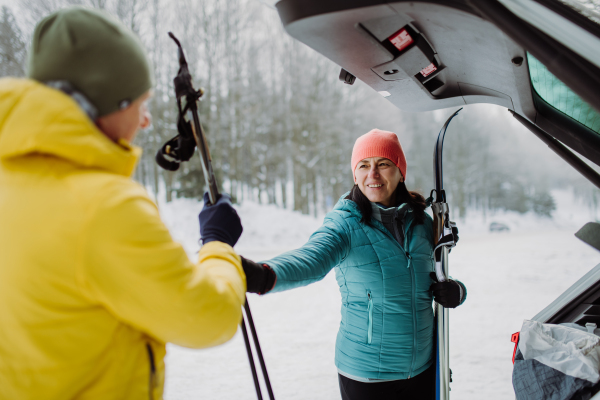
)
(35, 118)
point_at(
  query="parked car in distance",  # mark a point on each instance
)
(498, 227)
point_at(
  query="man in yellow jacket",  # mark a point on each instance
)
(92, 285)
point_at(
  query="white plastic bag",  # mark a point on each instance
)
(570, 351)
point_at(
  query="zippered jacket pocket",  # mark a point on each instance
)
(370, 323)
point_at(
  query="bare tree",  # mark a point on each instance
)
(280, 125)
(13, 50)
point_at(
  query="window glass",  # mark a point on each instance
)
(588, 8)
(559, 96)
(269, 3)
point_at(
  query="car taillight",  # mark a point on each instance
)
(401, 39)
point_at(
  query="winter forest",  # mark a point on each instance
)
(281, 126)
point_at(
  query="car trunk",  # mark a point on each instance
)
(539, 59)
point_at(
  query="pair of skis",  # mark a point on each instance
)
(181, 148)
(442, 231)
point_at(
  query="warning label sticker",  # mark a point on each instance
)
(428, 70)
(401, 39)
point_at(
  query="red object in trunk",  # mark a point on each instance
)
(401, 39)
(515, 339)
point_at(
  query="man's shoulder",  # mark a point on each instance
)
(99, 188)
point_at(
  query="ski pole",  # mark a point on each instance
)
(181, 148)
(251, 358)
(259, 351)
(442, 233)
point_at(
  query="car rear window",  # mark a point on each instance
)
(590, 9)
(551, 90)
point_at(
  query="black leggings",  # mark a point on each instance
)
(420, 387)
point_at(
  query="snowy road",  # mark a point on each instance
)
(510, 276)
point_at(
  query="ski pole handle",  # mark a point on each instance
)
(187, 102)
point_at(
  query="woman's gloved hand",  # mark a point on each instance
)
(219, 222)
(260, 278)
(449, 294)
(455, 234)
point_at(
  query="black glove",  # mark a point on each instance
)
(454, 237)
(447, 239)
(449, 294)
(219, 221)
(455, 234)
(260, 278)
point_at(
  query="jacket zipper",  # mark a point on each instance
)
(152, 382)
(413, 304)
(370, 324)
(396, 233)
(388, 233)
(414, 316)
(412, 279)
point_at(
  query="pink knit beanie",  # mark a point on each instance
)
(378, 143)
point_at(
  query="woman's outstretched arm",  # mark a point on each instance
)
(325, 249)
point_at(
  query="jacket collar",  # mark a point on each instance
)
(352, 207)
(36, 119)
(396, 212)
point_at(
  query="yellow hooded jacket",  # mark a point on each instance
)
(92, 285)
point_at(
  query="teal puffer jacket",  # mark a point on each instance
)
(387, 323)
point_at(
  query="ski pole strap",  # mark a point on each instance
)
(445, 241)
(428, 201)
(179, 149)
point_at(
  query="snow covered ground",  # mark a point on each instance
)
(510, 276)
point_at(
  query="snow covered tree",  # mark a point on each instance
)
(13, 50)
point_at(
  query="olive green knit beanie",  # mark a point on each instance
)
(95, 53)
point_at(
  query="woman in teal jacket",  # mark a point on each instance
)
(380, 241)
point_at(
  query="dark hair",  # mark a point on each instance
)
(402, 195)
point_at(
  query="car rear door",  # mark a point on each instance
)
(540, 59)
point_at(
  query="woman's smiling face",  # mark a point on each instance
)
(377, 178)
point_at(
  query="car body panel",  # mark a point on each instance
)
(489, 79)
(578, 304)
(580, 40)
(479, 48)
